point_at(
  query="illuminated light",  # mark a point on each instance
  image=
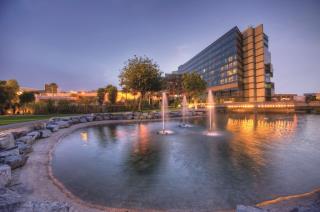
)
(84, 136)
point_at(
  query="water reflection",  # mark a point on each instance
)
(144, 157)
(113, 132)
(84, 137)
(251, 135)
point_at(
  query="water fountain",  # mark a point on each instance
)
(184, 105)
(164, 115)
(211, 115)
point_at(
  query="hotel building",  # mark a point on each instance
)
(237, 67)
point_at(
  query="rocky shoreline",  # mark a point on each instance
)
(27, 183)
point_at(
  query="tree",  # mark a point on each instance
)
(112, 92)
(8, 95)
(101, 92)
(193, 85)
(3, 97)
(173, 84)
(25, 98)
(142, 75)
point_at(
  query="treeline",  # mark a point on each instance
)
(67, 107)
(140, 75)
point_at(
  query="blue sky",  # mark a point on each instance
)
(83, 44)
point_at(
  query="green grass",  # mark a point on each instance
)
(4, 120)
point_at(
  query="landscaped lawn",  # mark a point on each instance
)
(4, 120)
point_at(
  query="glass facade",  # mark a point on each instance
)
(220, 62)
(233, 64)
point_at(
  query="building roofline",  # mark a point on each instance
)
(216, 41)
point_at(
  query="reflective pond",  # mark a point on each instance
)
(252, 158)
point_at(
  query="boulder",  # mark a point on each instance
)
(7, 152)
(98, 118)
(5, 175)
(45, 133)
(75, 120)
(34, 134)
(106, 116)
(63, 124)
(54, 119)
(24, 148)
(15, 161)
(9, 200)
(65, 119)
(7, 141)
(89, 118)
(83, 119)
(39, 206)
(53, 127)
(244, 208)
(26, 139)
(18, 134)
(39, 126)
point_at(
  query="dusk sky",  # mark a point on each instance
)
(83, 44)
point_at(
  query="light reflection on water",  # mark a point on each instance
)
(255, 158)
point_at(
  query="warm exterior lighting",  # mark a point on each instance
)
(266, 105)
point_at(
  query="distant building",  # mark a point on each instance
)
(51, 88)
(312, 97)
(284, 97)
(237, 67)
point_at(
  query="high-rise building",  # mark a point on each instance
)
(237, 67)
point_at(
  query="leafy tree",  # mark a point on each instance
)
(142, 75)
(193, 85)
(8, 95)
(26, 98)
(51, 107)
(173, 83)
(101, 92)
(112, 92)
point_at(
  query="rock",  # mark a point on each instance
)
(54, 119)
(39, 126)
(90, 118)
(63, 124)
(53, 127)
(34, 134)
(75, 120)
(9, 200)
(7, 152)
(244, 208)
(45, 133)
(98, 118)
(5, 175)
(26, 139)
(18, 134)
(15, 161)
(39, 206)
(24, 148)
(83, 119)
(65, 119)
(7, 141)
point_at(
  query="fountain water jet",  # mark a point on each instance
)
(211, 115)
(164, 115)
(184, 113)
